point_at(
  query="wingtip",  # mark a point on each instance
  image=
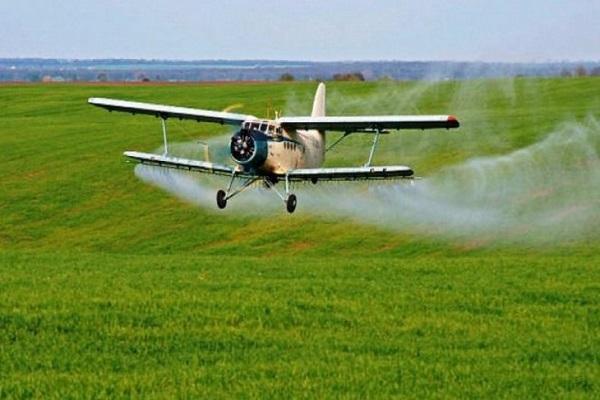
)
(134, 155)
(453, 121)
(95, 101)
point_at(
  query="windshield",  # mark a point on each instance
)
(262, 126)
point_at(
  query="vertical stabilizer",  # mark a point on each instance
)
(318, 109)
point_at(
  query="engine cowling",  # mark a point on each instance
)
(249, 148)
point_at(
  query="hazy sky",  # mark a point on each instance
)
(508, 30)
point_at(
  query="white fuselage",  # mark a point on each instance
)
(297, 149)
(285, 150)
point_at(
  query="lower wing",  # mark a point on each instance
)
(349, 173)
(179, 163)
(295, 175)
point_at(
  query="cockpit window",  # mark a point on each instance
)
(262, 126)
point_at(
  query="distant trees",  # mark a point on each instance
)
(142, 77)
(580, 71)
(350, 76)
(34, 77)
(386, 78)
(565, 73)
(143, 70)
(286, 77)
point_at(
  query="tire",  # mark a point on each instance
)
(290, 203)
(221, 200)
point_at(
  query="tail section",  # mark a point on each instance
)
(318, 109)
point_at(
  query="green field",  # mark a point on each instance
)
(110, 287)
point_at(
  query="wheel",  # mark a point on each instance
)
(291, 202)
(221, 200)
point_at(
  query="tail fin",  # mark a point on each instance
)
(318, 109)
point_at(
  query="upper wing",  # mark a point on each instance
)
(367, 123)
(164, 111)
(349, 173)
(179, 163)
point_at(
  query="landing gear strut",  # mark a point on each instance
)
(223, 196)
(289, 199)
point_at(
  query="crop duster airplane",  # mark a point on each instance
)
(286, 149)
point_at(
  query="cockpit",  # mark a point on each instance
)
(265, 127)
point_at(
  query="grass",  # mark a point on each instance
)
(112, 288)
(88, 324)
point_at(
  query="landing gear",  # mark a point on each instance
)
(221, 199)
(223, 196)
(290, 203)
(289, 199)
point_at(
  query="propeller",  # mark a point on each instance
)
(243, 146)
(234, 106)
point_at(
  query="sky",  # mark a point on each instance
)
(465, 30)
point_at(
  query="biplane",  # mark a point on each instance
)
(281, 150)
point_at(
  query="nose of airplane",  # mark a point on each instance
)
(243, 146)
(249, 148)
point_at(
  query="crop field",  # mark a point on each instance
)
(477, 284)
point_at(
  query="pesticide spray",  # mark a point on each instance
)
(545, 192)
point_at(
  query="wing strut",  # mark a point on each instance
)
(339, 140)
(164, 129)
(375, 140)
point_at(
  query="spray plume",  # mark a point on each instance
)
(542, 193)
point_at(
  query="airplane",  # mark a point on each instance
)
(285, 149)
